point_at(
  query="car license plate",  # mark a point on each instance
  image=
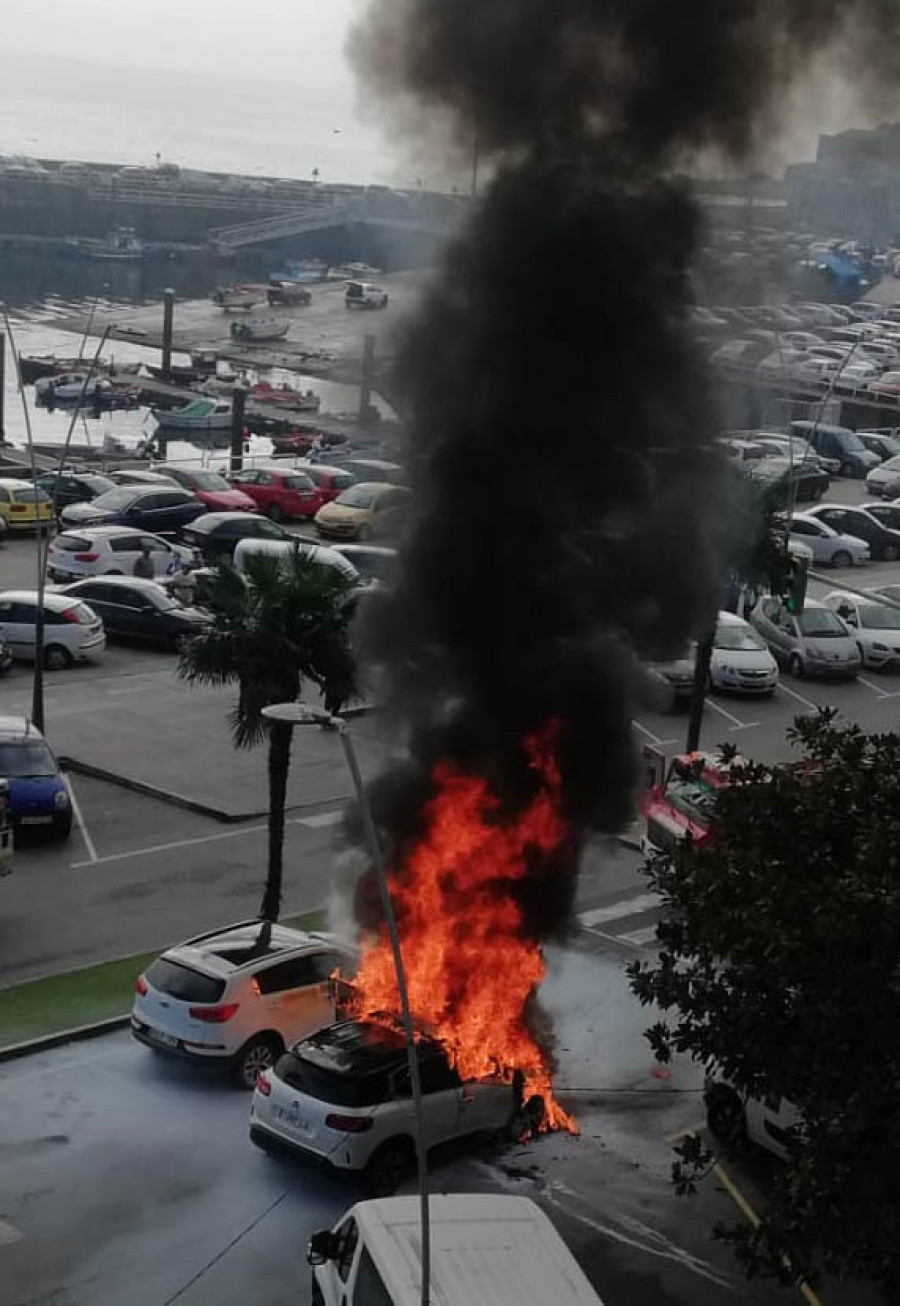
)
(289, 1115)
(158, 1036)
(37, 820)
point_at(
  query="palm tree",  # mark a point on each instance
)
(285, 621)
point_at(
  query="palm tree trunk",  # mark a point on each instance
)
(280, 733)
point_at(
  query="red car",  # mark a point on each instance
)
(210, 488)
(279, 492)
(329, 481)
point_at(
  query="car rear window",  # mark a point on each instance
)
(328, 1086)
(72, 543)
(298, 482)
(183, 982)
(31, 494)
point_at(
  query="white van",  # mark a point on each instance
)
(489, 1248)
(278, 548)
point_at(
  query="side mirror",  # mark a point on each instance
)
(322, 1247)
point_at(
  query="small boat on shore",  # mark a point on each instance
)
(285, 397)
(239, 296)
(260, 328)
(199, 417)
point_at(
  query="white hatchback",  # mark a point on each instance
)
(740, 660)
(235, 998)
(72, 631)
(110, 551)
(875, 627)
(343, 1097)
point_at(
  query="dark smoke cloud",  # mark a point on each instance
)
(568, 505)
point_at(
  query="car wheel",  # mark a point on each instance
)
(62, 826)
(890, 553)
(57, 658)
(841, 559)
(274, 513)
(258, 1054)
(795, 665)
(848, 470)
(388, 1165)
(115, 572)
(725, 1114)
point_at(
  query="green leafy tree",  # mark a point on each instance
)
(285, 622)
(780, 967)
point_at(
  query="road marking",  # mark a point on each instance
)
(9, 1234)
(876, 689)
(654, 739)
(750, 1215)
(618, 910)
(737, 725)
(320, 819)
(640, 938)
(614, 938)
(80, 822)
(813, 707)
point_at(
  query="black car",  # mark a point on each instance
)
(802, 482)
(135, 608)
(217, 533)
(161, 509)
(68, 488)
(883, 542)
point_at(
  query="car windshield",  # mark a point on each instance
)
(31, 494)
(375, 566)
(822, 623)
(298, 483)
(207, 481)
(852, 443)
(874, 616)
(26, 761)
(114, 499)
(693, 797)
(738, 638)
(358, 496)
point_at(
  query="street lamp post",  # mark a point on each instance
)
(303, 714)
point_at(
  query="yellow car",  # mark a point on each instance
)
(22, 505)
(369, 510)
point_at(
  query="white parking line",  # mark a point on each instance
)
(618, 910)
(79, 821)
(654, 739)
(640, 938)
(813, 707)
(736, 724)
(320, 819)
(876, 689)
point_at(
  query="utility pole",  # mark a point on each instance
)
(238, 408)
(368, 374)
(168, 320)
(698, 696)
(2, 387)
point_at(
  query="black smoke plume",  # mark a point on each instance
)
(568, 505)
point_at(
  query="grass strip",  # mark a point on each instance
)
(56, 1003)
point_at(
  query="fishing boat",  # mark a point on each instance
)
(239, 296)
(260, 328)
(34, 367)
(69, 386)
(285, 397)
(199, 417)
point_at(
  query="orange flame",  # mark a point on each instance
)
(470, 971)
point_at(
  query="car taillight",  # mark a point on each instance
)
(140, 985)
(214, 1015)
(86, 557)
(71, 615)
(262, 1084)
(349, 1124)
(18, 507)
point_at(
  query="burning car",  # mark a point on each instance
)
(684, 802)
(343, 1097)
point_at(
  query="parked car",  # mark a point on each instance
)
(216, 534)
(847, 519)
(37, 793)
(72, 632)
(875, 625)
(882, 443)
(161, 509)
(740, 660)
(343, 1097)
(23, 506)
(280, 492)
(887, 513)
(512, 1253)
(370, 470)
(885, 480)
(362, 294)
(67, 487)
(376, 564)
(838, 442)
(814, 643)
(329, 481)
(134, 608)
(890, 592)
(886, 384)
(211, 488)
(235, 999)
(138, 476)
(827, 545)
(764, 1121)
(6, 658)
(365, 511)
(109, 551)
(675, 677)
(314, 551)
(800, 482)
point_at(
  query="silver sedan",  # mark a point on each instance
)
(828, 545)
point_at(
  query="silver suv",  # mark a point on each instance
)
(815, 643)
(236, 997)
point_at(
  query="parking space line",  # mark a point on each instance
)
(614, 938)
(813, 707)
(80, 822)
(876, 689)
(640, 938)
(617, 911)
(170, 847)
(320, 819)
(736, 724)
(654, 739)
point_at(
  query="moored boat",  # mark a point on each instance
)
(285, 397)
(198, 417)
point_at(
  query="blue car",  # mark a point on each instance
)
(37, 792)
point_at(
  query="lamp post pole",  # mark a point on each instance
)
(302, 714)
